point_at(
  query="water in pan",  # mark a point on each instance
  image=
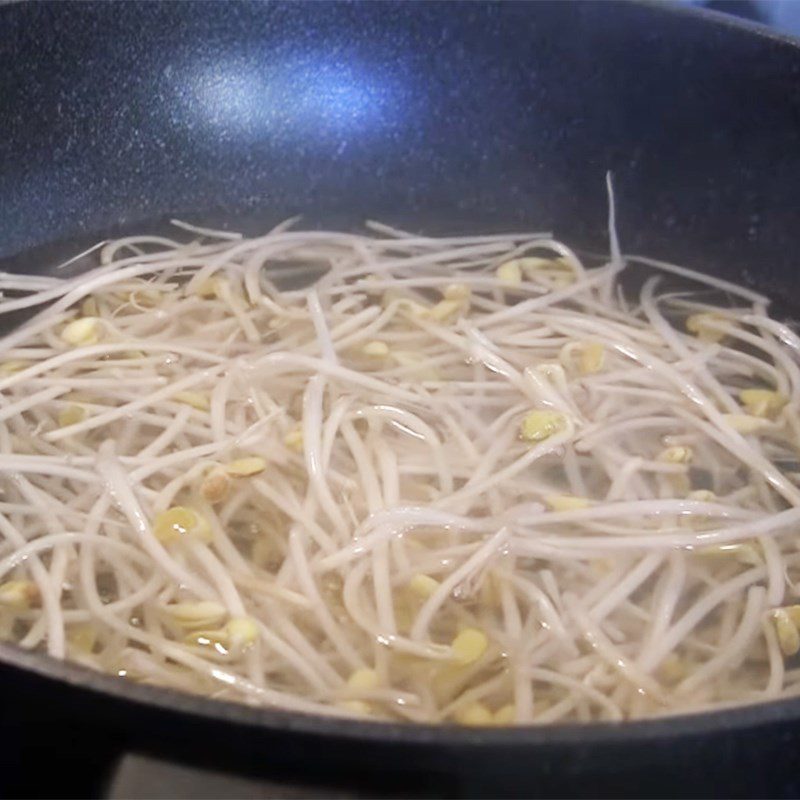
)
(466, 480)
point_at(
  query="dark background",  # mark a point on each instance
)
(782, 15)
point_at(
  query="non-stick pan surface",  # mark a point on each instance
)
(437, 116)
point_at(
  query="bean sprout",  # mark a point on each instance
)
(468, 480)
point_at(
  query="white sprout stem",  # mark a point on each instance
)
(489, 549)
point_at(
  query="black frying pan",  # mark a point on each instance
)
(439, 117)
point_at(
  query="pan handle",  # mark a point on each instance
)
(147, 778)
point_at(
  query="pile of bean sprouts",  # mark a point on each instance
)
(460, 480)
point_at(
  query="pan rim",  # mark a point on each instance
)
(171, 701)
